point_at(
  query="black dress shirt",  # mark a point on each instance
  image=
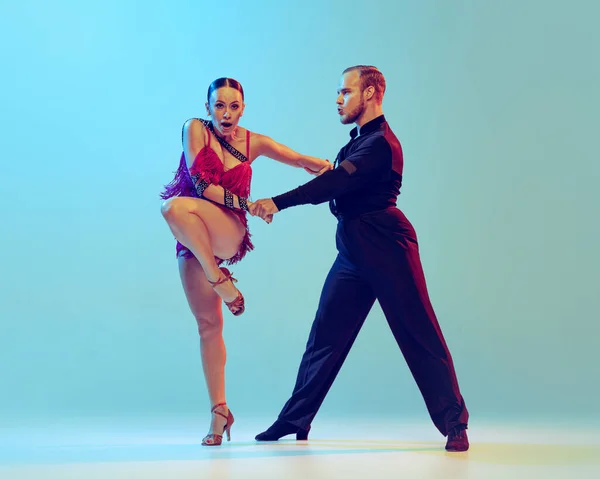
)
(367, 177)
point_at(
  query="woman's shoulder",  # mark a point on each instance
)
(195, 124)
(255, 138)
(194, 128)
(242, 132)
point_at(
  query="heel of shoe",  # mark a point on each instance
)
(214, 439)
(302, 434)
(230, 420)
(237, 306)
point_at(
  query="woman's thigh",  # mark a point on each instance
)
(225, 229)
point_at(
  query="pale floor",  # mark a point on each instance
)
(346, 448)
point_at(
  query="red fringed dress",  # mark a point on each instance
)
(209, 167)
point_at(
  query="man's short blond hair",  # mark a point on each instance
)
(370, 76)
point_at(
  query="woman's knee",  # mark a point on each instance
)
(173, 208)
(209, 328)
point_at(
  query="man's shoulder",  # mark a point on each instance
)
(377, 140)
(390, 137)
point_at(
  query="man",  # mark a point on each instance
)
(378, 258)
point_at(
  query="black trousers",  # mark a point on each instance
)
(378, 258)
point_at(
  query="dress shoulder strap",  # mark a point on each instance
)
(206, 124)
(248, 144)
(235, 153)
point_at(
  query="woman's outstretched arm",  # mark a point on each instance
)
(279, 152)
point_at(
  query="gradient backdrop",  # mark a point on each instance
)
(496, 105)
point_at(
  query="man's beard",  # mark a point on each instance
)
(354, 114)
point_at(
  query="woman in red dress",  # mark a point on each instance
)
(205, 208)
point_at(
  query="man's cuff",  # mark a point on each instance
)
(289, 199)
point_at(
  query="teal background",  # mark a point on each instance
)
(496, 105)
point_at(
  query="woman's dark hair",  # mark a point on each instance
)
(221, 82)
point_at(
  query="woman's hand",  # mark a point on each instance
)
(319, 167)
(252, 209)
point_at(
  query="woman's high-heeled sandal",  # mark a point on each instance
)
(217, 439)
(236, 306)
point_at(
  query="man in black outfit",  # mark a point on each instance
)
(378, 258)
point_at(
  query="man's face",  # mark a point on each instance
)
(350, 102)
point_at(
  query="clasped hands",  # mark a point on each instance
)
(266, 207)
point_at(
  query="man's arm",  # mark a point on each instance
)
(370, 162)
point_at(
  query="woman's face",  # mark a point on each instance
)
(226, 106)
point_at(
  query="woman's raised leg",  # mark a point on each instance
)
(207, 230)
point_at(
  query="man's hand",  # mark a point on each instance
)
(265, 208)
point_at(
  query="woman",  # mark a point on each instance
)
(205, 207)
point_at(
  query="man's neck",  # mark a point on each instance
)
(368, 115)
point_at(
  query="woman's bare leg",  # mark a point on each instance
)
(207, 230)
(206, 308)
